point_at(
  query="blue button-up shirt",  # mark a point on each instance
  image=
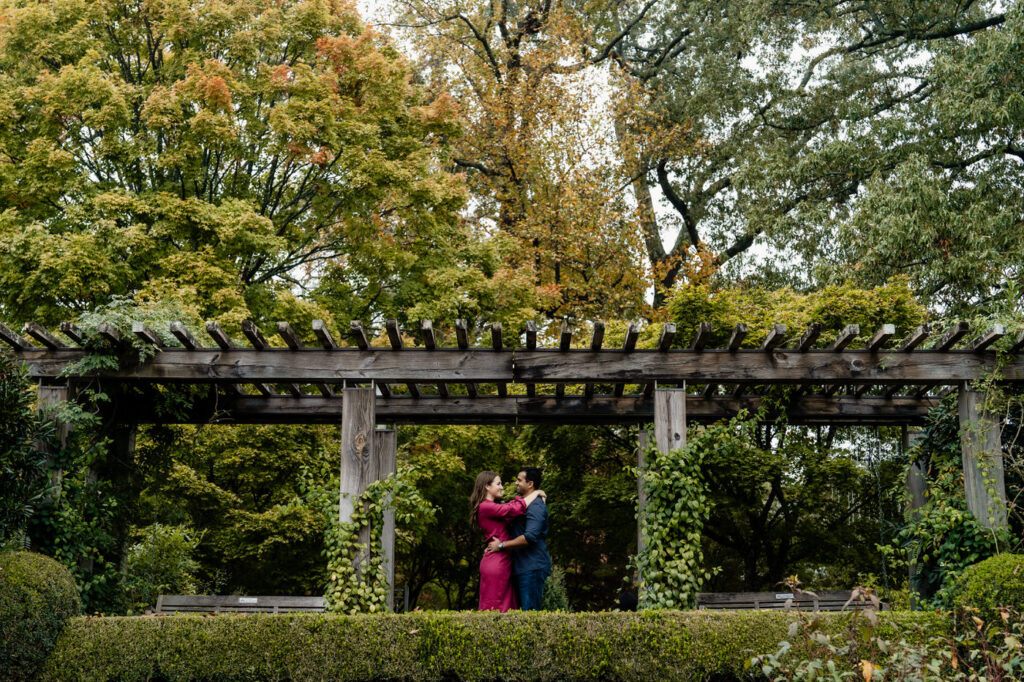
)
(534, 527)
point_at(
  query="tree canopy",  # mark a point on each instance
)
(224, 157)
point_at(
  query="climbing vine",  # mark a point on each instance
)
(357, 582)
(670, 564)
(943, 537)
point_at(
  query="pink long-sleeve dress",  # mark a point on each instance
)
(496, 589)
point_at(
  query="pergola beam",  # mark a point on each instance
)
(496, 344)
(309, 365)
(602, 409)
(462, 338)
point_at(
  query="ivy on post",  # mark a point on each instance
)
(981, 449)
(673, 510)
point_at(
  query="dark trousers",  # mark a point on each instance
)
(531, 588)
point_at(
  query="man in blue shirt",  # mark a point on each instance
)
(528, 546)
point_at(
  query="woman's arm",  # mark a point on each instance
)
(503, 510)
(534, 495)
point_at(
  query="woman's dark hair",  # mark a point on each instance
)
(483, 479)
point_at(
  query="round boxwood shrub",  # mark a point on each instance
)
(37, 595)
(994, 582)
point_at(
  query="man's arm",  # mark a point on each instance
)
(534, 522)
(493, 545)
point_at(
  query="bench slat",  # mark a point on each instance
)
(182, 603)
(831, 600)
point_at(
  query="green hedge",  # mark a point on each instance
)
(989, 584)
(664, 645)
(37, 596)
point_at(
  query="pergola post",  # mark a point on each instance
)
(358, 462)
(982, 455)
(669, 434)
(917, 491)
(669, 418)
(386, 451)
(48, 398)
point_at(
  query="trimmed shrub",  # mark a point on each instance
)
(554, 597)
(37, 596)
(994, 582)
(661, 645)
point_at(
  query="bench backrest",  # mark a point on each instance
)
(824, 601)
(181, 603)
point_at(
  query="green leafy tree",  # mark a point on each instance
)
(240, 159)
(159, 562)
(248, 493)
(215, 155)
(820, 98)
(949, 217)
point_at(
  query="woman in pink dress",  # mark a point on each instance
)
(491, 516)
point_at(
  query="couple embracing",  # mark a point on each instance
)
(516, 561)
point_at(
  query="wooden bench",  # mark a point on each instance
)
(820, 601)
(186, 603)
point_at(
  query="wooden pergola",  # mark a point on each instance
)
(883, 381)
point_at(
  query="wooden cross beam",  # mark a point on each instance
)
(255, 336)
(224, 341)
(564, 344)
(74, 333)
(602, 409)
(44, 337)
(496, 344)
(310, 365)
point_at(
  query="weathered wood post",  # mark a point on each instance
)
(917, 490)
(669, 418)
(982, 455)
(386, 450)
(48, 399)
(358, 463)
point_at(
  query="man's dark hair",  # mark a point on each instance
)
(533, 476)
